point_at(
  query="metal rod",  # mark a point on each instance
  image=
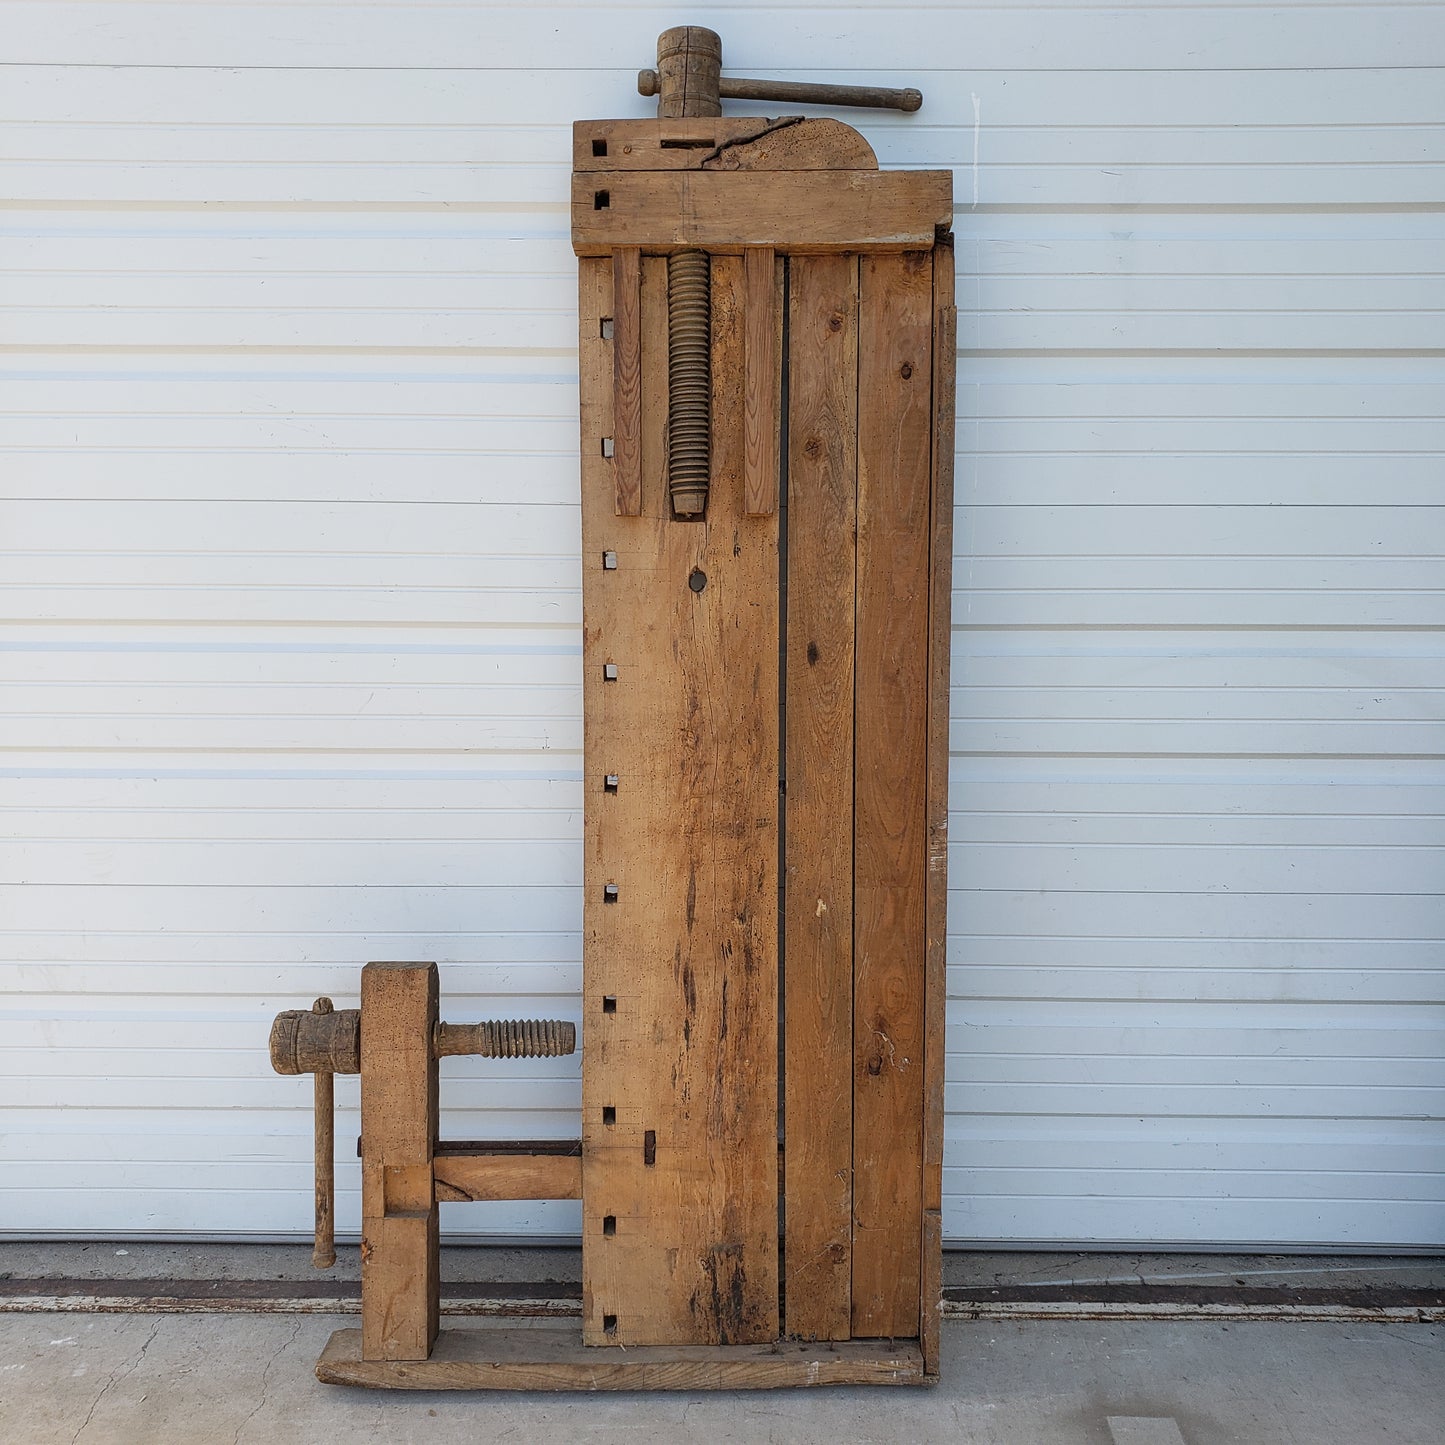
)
(801, 92)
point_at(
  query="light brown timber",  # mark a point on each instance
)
(508, 1176)
(722, 143)
(795, 212)
(682, 1249)
(551, 1358)
(818, 838)
(760, 383)
(627, 380)
(400, 1265)
(945, 351)
(895, 344)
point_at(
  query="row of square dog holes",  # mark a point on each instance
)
(609, 1221)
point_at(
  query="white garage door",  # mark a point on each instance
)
(290, 646)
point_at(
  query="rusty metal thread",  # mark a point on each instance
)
(507, 1039)
(689, 381)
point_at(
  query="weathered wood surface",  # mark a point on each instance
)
(552, 1358)
(796, 212)
(721, 143)
(400, 1261)
(818, 908)
(895, 344)
(508, 1176)
(760, 382)
(627, 381)
(945, 346)
(323, 1109)
(689, 62)
(679, 1069)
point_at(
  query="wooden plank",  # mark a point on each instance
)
(945, 350)
(400, 1261)
(508, 1176)
(680, 969)
(895, 340)
(818, 837)
(931, 1293)
(720, 142)
(760, 383)
(554, 1358)
(627, 380)
(794, 211)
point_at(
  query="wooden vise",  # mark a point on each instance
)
(766, 351)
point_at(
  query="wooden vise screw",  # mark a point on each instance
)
(324, 1041)
(688, 83)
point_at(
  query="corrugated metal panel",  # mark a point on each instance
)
(290, 537)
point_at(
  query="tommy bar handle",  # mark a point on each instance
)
(800, 92)
(326, 1041)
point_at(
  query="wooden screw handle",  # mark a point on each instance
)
(799, 92)
(323, 1251)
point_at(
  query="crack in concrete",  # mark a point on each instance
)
(113, 1379)
(266, 1380)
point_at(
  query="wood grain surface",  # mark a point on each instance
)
(818, 908)
(552, 1358)
(793, 211)
(680, 1069)
(627, 380)
(895, 343)
(400, 1259)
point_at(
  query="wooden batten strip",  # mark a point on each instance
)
(895, 349)
(797, 212)
(818, 837)
(627, 380)
(760, 383)
(945, 347)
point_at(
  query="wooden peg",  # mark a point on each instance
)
(323, 1109)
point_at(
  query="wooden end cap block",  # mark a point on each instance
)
(728, 211)
(722, 143)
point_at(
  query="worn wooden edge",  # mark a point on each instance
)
(760, 383)
(895, 439)
(945, 350)
(822, 479)
(472, 1177)
(554, 1358)
(789, 142)
(400, 1250)
(795, 212)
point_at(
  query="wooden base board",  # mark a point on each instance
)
(552, 1358)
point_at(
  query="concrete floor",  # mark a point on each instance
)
(240, 1379)
(243, 1379)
